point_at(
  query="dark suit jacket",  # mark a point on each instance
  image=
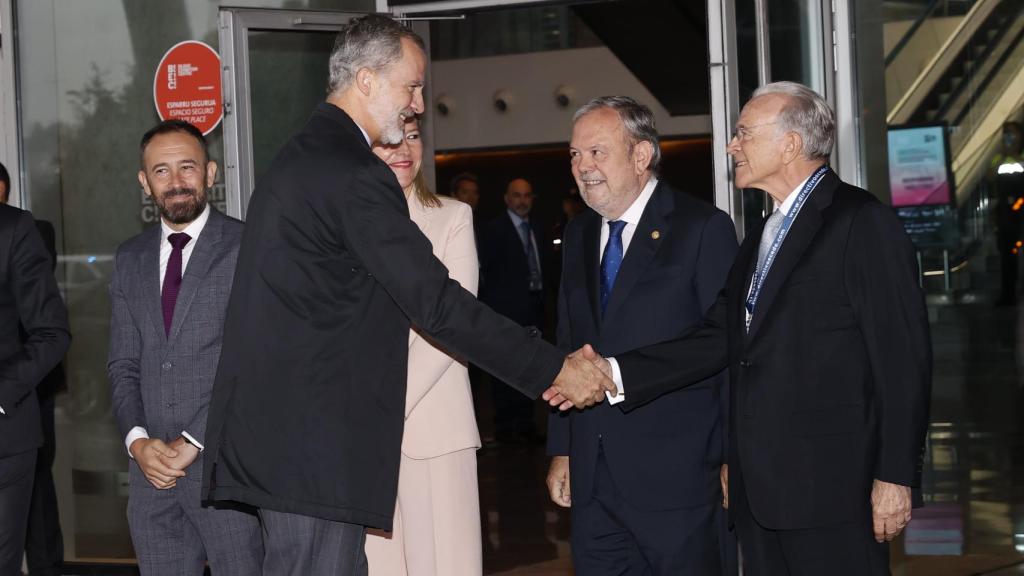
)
(830, 388)
(667, 453)
(504, 272)
(163, 383)
(55, 381)
(309, 401)
(34, 333)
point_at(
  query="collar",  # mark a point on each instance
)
(340, 116)
(365, 135)
(791, 199)
(635, 211)
(194, 229)
(516, 220)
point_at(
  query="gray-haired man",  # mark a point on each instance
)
(309, 402)
(642, 267)
(824, 330)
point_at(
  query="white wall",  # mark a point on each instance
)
(532, 79)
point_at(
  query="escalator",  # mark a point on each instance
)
(972, 84)
(970, 78)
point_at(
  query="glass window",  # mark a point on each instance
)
(86, 97)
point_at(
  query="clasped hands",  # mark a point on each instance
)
(163, 463)
(582, 382)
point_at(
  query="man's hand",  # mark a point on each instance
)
(187, 454)
(154, 458)
(558, 481)
(890, 509)
(723, 477)
(584, 379)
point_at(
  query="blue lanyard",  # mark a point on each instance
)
(762, 271)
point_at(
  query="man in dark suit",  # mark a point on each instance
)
(34, 337)
(168, 296)
(44, 543)
(308, 407)
(825, 333)
(641, 268)
(514, 256)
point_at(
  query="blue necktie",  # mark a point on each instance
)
(611, 260)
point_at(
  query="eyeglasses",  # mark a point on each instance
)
(744, 132)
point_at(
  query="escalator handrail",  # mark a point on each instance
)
(905, 39)
(956, 42)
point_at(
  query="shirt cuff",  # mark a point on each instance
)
(2, 410)
(617, 378)
(133, 435)
(191, 440)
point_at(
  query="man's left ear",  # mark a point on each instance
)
(642, 154)
(211, 173)
(794, 147)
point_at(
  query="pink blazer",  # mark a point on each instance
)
(439, 416)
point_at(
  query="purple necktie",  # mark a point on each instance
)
(172, 278)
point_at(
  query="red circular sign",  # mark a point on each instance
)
(187, 85)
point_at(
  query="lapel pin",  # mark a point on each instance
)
(655, 235)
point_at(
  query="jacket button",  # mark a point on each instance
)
(744, 363)
(166, 366)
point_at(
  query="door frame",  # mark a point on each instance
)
(837, 43)
(235, 25)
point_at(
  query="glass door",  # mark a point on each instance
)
(752, 43)
(275, 71)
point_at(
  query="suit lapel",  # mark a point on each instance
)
(592, 262)
(800, 235)
(642, 247)
(198, 264)
(149, 269)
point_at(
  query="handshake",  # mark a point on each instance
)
(582, 382)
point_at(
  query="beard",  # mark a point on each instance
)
(390, 120)
(181, 212)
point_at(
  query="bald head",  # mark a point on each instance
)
(519, 197)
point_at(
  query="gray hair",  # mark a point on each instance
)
(373, 42)
(807, 114)
(636, 118)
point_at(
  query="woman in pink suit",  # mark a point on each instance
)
(437, 516)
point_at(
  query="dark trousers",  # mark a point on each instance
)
(838, 550)
(299, 545)
(16, 474)
(612, 537)
(44, 546)
(514, 413)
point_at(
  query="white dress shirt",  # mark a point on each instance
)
(631, 217)
(194, 229)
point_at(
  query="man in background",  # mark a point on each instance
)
(466, 188)
(514, 258)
